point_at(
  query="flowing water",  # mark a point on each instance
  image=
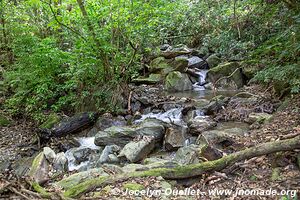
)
(173, 116)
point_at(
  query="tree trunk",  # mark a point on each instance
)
(102, 55)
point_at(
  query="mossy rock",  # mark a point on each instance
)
(4, 121)
(224, 70)
(180, 64)
(152, 79)
(39, 169)
(259, 117)
(159, 64)
(133, 186)
(80, 177)
(213, 61)
(51, 120)
(176, 81)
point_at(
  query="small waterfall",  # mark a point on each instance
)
(171, 116)
(201, 82)
(85, 142)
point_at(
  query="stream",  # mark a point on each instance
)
(172, 116)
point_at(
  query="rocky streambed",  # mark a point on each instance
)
(176, 117)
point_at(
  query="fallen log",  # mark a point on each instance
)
(69, 126)
(189, 171)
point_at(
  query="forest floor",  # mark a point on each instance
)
(270, 172)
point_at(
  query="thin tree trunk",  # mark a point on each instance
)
(102, 55)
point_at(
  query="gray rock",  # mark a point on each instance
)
(196, 62)
(187, 155)
(215, 104)
(176, 81)
(106, 154)
(82, 154)
(136, 151)
(174, 138)
(115, 135)
(199, 124)
(39, 170)
(49, 154)
(60, 162)
(217, 138)
(258, 117)
(152, 127)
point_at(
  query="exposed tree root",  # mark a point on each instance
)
(189, 171)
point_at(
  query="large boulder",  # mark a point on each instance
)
(138, 150)
(151, 79)
(215, 104)
(200, 124)
(230, 69)
(180, 64)
(176, 81)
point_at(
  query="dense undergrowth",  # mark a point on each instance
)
(56, 56)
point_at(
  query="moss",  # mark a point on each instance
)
(51, 120)
(275, 174)
(85, 186)
(4, 121)
(133, 186)
(36, 163)
(224, 69)
(159, 64)
(40, 190)
(152, 79)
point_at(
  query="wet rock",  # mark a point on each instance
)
(176, 81)
(174, 138)
(115, 135)
(60, 162)
(138, 150)
(213, 61)
(80, 177)
(49, 154)
(151, 79)
(216, 138)
(39, 169)
(107, 154)
(200, 124)
(237, 80)
(187, 155)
